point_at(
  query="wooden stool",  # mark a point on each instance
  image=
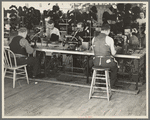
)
(103, 77)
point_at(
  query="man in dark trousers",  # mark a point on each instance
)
(104, 50)
(21, 48)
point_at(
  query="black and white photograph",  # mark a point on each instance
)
(74, 59)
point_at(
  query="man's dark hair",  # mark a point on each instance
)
(105, 27)
(50, 21)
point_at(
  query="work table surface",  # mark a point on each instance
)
(60, 49)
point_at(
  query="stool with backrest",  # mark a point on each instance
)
(100, 83)
(10, 66)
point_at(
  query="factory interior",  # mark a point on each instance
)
(74, 59)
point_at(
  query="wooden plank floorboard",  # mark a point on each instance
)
(38, 98)
(52, 98)
(64, 104)
(129, 103)
(25, 98)
(125, 109)
(47, 99)
(66, 101)
(56, 103)
(27, 88)
(21, 97)
(90, 111)
(88, 106)
(143, 111)
(38, 92)
(113, 107)
(140, 102)
(109, 109)
(22, 84)
(76, 102)
(79, 100)
(106, 106)
(143, 107)
(140, 105)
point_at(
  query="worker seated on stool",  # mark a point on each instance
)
(104, 50)
(21, 48)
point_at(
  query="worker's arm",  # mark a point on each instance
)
(58, 33)
(91, 47)
(110, 42)
(24, 43)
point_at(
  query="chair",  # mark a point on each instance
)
(100, 83)
(11, 67)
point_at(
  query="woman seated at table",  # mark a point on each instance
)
(142, 28)
(142, 18)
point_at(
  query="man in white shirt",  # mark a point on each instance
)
(52, 32)
(104, 50)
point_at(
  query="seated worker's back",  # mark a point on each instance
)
(16, 47)
(103, 47)
(100, 46)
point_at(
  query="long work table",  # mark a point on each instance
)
(135, 63)
(59, 49)
(137, 59)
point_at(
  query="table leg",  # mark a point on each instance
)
(45, 66)
(144, 71)
(87, 69)
(61, 60)
(137, 80)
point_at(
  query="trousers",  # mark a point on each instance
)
(107, 62)
(30, 61)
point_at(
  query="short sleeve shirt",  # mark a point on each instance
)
(141, 21)
(53, 31)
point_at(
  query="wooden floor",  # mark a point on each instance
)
(55, 100)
